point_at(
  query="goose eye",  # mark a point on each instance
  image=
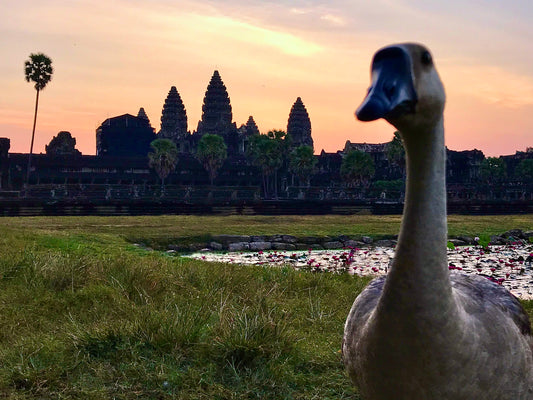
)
(426, 58)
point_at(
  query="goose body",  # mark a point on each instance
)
(421, 332)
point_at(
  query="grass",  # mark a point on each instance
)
(161, 230)
(85, 314)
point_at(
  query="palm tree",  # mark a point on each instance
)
(493, 170)
(163, 159)
(524, 171)
(37, 69)
(302, 163)
(396, 153)
(265, 152)
(212, 152)
(357, 167)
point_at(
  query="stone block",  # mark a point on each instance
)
(289, 239)
(367, 239)
(309, 239)
(283, 246)
(333, 245)
(353, 244)
(276, 238)
(467, 239)
(497, 240)
(239, 246)
(260, 246)
(197, 246)
(514, 233)
(216, 246)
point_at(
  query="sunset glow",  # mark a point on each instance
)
(111, 58)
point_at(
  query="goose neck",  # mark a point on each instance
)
(419, 271)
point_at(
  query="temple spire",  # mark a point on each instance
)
(173, 117)
(217, 115)
(299, 125)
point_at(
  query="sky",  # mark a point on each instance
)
(113, 57)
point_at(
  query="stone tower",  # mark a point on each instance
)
(173, 118)
(244, 132)
(142, 114)
(251, 127)
(299, 125)
(216, 114)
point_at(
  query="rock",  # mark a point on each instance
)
(528, 234)
(261, 238)
(260, 246)
(343, 238)
(467, 239)
(302, 246)
(289, 239)
(216, 246)
(227, 239)
(385, 243)
(312, 239)
(514, 233)
(367, 239)
(353, 244)
(283, 246)
(333, 245)
(197, 246)
(239, 246)
(497, 240)
(276, 238)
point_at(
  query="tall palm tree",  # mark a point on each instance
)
(357, 168)
(302, 163)
(163, 159)
(212, 152)
(37, 69)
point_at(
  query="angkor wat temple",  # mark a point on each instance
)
(118, 176)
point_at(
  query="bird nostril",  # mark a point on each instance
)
(389, 91)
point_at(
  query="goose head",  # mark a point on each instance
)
(406, 89)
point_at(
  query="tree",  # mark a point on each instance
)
(524, 171)
(492, 170)
(212, 152)
(357, 167)
(395, 152)
(163, 159)
(302, 163)
(62, 145)
(37, 69)
(269, 153)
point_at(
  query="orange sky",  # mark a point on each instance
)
(111, 58)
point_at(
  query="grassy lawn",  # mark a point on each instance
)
(85, 314)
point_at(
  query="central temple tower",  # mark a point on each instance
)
(217, 115)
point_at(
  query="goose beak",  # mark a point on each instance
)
(392, 92)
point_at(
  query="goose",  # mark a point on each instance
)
(420, 332)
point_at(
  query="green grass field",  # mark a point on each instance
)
(85, 314)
